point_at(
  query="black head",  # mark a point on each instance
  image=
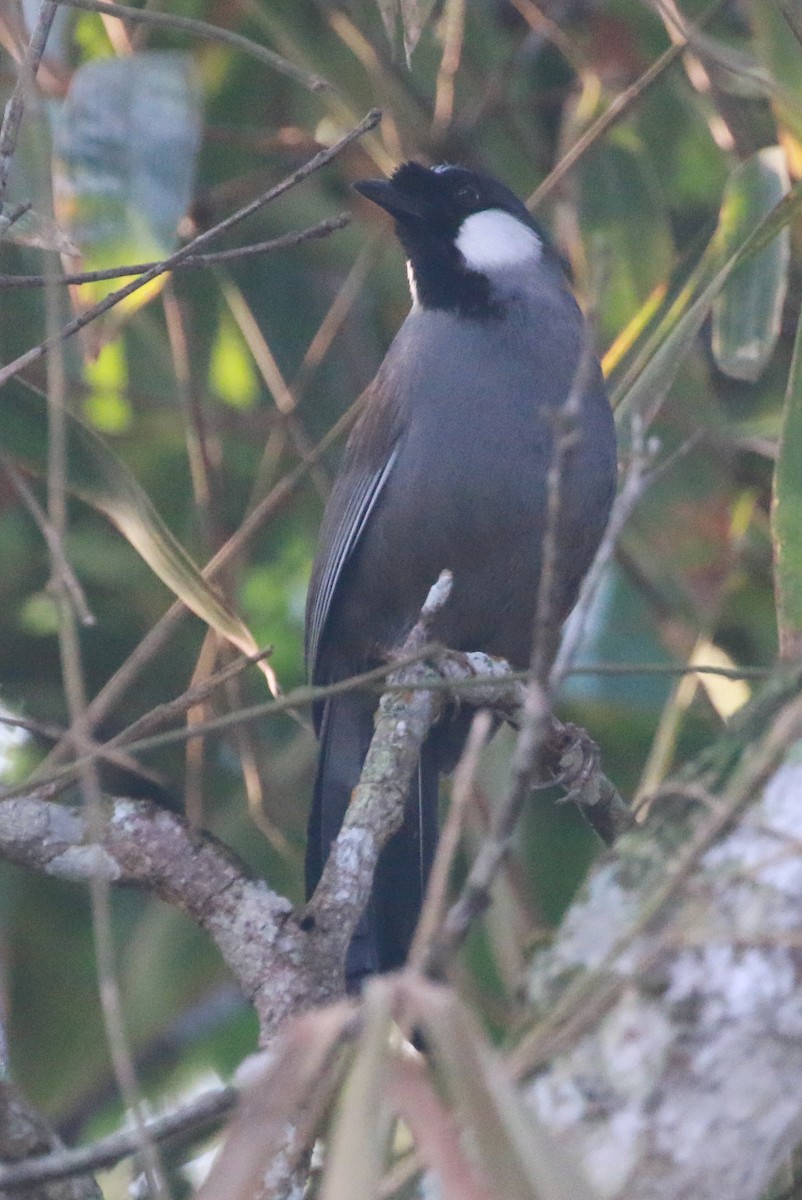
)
(459, 228)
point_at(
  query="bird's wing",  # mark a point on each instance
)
(352, 500)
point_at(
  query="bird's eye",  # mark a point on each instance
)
(467, 196)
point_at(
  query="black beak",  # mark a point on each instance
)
(397, 203)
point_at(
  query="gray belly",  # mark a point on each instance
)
(488, 528)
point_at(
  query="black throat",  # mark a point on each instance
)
(441, 278)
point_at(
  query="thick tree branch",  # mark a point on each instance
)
(377, 808)
(145, 846)
(281, 964)
(670, 1044)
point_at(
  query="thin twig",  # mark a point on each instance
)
(614, 111)
(256, 712)
(175, 709)
(791, 13)
(549, 30)
(635, 484)
(51, 536)
(454, 31)
(42, 729)
(74, 680)
(72, 327)
(347, 294)
(193, 1118)
(566, 434)
(462, 792)
(283, 242)
(669, 669)
(212, 32)
(12, 215)
(161, 715)
(316, 351)
(156, 638)
(498, 690)
(272, 377)
(474, 898)
(26, 80)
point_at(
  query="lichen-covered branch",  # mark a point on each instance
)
(668, 1052)
(284, 964)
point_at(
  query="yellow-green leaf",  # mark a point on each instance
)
(643, 389)
(748, 310)
(786, 519)
(126, 140)
(780, 53)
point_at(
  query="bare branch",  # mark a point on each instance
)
(635, 484)
(284, 242)
(72, 327)
(377, 808)
(681, 960)
(51, 535)
(12, 117)
(142, 845)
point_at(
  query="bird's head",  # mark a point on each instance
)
(462, 232)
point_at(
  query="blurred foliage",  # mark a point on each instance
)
(211, 392)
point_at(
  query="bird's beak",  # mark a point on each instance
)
(384, 193)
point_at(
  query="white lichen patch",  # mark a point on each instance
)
(687, 1084)
(610, 1147)
(558, 1100)
(126, 814)
(77, 864)
(635, 1039)
(772, 853)
(613, 1150)
(593, 926)
(736, 984)
(350, 850)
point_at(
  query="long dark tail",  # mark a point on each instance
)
(384, 933)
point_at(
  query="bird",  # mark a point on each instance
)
(446, 467)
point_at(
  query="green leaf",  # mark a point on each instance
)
(99, 477)
(624, 220)
(786, 515)
(107, 406)
(748, 310)
(231, 370)
(645, 385)
(126, 141)
(780, 52)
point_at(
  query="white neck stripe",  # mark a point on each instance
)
(495, 239)
(413, 287)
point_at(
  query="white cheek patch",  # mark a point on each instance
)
(494, 238)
